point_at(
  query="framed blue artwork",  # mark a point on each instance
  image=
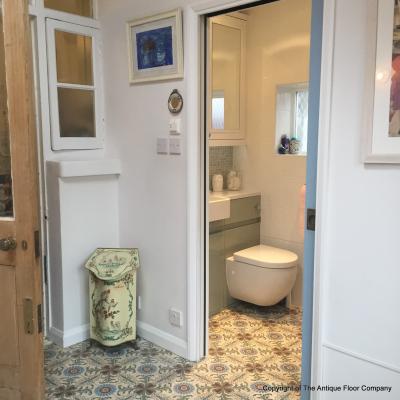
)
(382, 84)
(155, 47)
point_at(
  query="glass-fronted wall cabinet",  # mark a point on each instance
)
(226, 79)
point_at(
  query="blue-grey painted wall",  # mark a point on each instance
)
(312, 154)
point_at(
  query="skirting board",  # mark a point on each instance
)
(162, 339)
(70, 337)
(146, 331)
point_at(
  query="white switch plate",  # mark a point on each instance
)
(162, 146)
(175, 146)
(175, 317)
(175, 126)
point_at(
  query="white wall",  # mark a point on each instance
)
(153, 213)
(82, 216)
(360, 262)
(278, 41)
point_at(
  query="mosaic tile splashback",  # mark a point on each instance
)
(220, 161)
(249, 347)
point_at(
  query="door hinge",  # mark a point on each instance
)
(37, 244)
(28, 316)
(40, 318)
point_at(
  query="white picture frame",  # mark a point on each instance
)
(155, 47)
(379, 146)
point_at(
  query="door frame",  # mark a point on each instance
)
(24, 379)
(197, 196)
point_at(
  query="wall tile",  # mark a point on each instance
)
(220, 161)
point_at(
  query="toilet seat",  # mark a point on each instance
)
(267, 257)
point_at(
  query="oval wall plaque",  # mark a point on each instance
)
(175, 102)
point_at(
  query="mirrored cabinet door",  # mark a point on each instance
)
(226, 84)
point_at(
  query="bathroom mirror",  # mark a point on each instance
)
(226, 77)
(227, 74)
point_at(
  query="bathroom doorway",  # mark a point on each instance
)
(262, 75)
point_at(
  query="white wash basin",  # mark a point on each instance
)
(219, 207)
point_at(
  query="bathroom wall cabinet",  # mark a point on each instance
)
(227, 79)
(240, 231)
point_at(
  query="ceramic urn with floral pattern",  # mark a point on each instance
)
(112, 295)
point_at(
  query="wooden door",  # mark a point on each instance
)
(21, 342)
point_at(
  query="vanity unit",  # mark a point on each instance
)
(227, 79)
(239, 230)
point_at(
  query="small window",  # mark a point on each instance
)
(76, 113)
(78, 7)
(75, 90)
(291, 119)
(74, 58)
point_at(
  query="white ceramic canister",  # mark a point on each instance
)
(236, 183)
(231, 179)
(217, 183)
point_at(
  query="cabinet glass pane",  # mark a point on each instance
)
(226, 60)
(79, 7)
(76, 113)
(74, 58)
(6, 199)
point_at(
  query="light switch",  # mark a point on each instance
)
(175, 126)
(162, 146)
(175, 146)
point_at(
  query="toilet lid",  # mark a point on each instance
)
(267, 257)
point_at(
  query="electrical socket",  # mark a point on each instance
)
(139, 303)
(175, 317)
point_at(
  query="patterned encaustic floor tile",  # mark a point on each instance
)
(249, 347)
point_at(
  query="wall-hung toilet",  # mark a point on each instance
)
(261, 275)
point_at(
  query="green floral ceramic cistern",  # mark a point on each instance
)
(112, 292)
